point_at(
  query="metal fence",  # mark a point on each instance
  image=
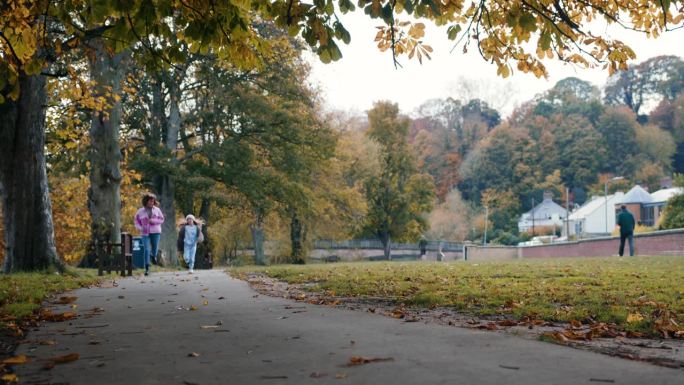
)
(376, 244)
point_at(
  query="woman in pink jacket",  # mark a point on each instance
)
(148, 221)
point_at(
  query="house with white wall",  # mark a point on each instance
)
(595, 217)
(544, 215)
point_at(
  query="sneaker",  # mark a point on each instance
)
(147, 273)
(191, 271)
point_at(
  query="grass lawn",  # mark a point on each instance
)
(634, 293)
(21, 294)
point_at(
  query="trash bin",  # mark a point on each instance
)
(138, 261)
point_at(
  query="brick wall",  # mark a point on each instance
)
(491, 253)
(668, 242)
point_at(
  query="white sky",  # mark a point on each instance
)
(365, 74)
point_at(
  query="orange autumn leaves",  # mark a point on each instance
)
(71, 217)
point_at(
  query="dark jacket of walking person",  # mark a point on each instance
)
(626, 221)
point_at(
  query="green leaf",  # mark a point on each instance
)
(387, 13)
(324, 55)
(408, 6)
(329, 8)
(545, 41)
(527, 22)
(335, 53)
(33, 67)
(346, 6)
(452, 32)
(293, 30)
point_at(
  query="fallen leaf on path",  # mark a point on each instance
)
(557, 336)
(358, 360)
(65, 358)
(398, 312)
(47, 342)
(16, 360)
(221, 297)
(193, 354)
(507, 322)
(489, 326)
(205, 303)
(193, 307)
(10, 377)
(666, 325)
(340, 376)
(208, 326)
(48, 315)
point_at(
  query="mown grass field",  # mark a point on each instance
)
(630, 292)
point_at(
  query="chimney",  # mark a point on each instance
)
(548, 195)
(666, 183)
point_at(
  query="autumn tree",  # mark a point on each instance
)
(648, 82)
(451, 220)
(399, 194)
(669, 116)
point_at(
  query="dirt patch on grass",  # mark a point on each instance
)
(595, 337)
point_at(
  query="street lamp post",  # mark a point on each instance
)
(605, 194)
(484, 242)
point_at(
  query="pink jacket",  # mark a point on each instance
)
(147, 225)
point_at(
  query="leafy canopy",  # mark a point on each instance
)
(504, 31)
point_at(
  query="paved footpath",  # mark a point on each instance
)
(150, 326)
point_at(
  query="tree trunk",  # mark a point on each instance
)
(104, 199)
(27, 209)
(168, 187)
(258, 237)
(297, 238)
(169, 235)
(386, 245)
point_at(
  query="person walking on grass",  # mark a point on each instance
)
(189, 235)
(625, 220)
(148, 221)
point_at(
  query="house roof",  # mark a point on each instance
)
(540, 211)
(665, 194)
(636, 195)
(594, 204)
